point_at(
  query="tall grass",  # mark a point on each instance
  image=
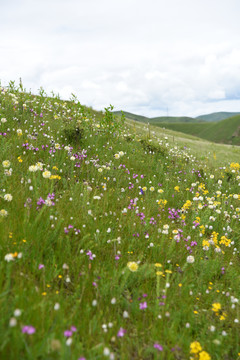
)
(113, 245)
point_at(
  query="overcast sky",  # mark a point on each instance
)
(150, 57)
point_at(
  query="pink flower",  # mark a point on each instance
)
(40, 266)
(143, 305)
(158, 347)
(121, 332)
(28, 329)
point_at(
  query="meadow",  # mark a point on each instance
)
(116, 241)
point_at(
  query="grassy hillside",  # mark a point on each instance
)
(226, 131)
(217, 116)
(172, 119)
(132, 116)
(154, 120)
(116, 241)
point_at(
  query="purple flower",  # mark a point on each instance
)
(143, 305)
(73, 329)
(121, 332)
(158, 347)
(68, 333)
(40, 266)
(28, 329)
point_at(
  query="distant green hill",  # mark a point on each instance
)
(226, 131)
(173, 119)
(170, 119)
(132, 116)
(217, 116)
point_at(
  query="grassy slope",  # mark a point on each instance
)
(64, 261)
(225, 131)
(212, 153)
(217, 116)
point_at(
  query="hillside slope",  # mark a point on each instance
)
(217, 116)
(225, 131)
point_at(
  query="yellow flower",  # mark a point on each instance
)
(216, 307)
(158, 265)
(195, 347)
(159, 273)
(133, 266)
(177, 188)
(203, 355)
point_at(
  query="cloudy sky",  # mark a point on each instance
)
(150, 57)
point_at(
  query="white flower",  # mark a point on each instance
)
(106, 351)
(3, 120)
(190, 259)
(33, 168)
(8, 197)
(3, 213)
(69, 341)
(6, 163)
(17, 312)
(9, 257)
(117, 156)
(19, 132)
(57, 306)
(94, 303)
(113, 301)
(72, 158)
(12, 322)
(46, 174)
(97, 197)
(125, 314)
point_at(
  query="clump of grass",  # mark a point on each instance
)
(114, 244)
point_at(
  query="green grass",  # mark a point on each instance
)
(226, 131)
(105, 198)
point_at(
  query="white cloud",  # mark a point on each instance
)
(141, 56)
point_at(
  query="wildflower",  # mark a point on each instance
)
(56, 306)
(203, 355)
(195, 347)
(121, 332)
(19, 132)
(190, 259)
(28, 329)
(3, 120)
(33, 168)
(69, 341)
(17, 313)
(9, 257)
(152, 188)
(8, 197)
(158, 347)
(6, 163)
(133, 266)
(216, 307)
(46, 174)
(143, 305)
(97, 197)
(12, 322)
(117, 156)
(125, 314)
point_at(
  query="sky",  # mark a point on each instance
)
(149, 57)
